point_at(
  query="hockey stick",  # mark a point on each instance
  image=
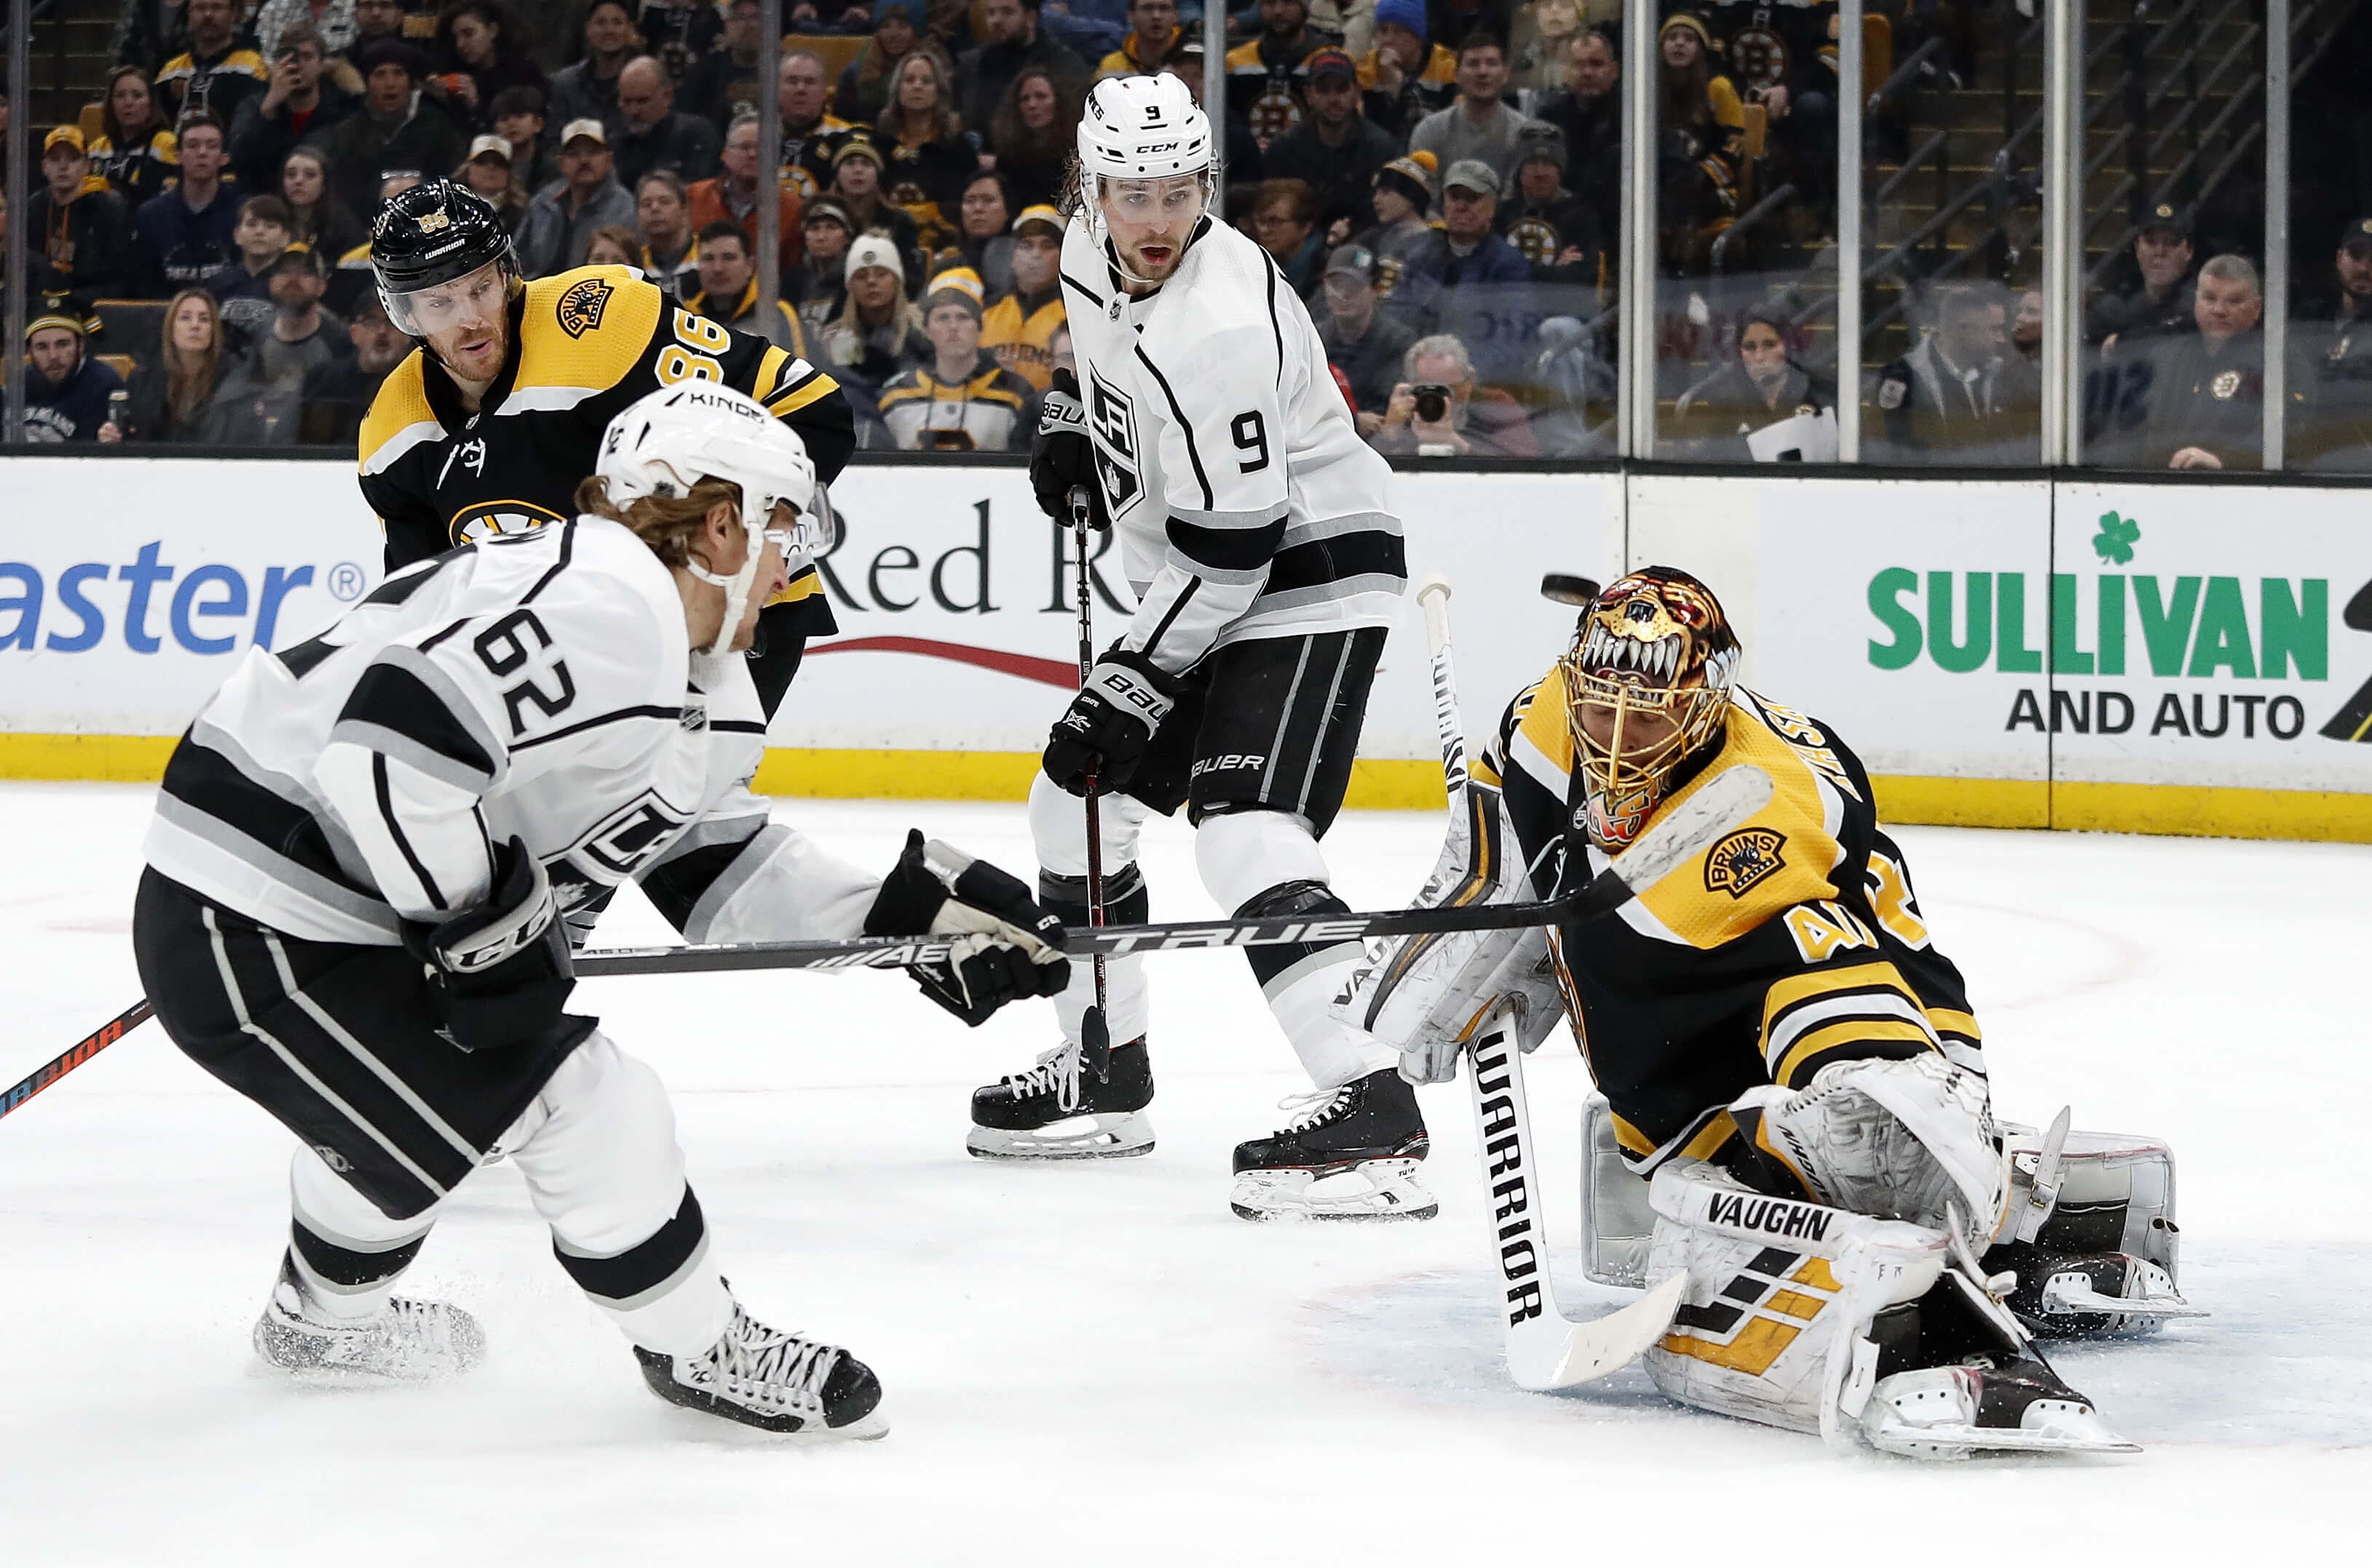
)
(1095, 1029)
(1715, 808)
(1545, 1349)
(83, 1050)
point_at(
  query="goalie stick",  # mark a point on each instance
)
(1546, 1350)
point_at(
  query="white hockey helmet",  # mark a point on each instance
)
(667, 441)
(1141, 128)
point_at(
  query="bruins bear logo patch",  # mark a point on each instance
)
(580, 308)
(1741, 860)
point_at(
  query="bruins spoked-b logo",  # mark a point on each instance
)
(1741, 860)
(580, 308)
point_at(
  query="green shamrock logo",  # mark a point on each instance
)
(2116, 539)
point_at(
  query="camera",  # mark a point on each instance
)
(1432, 401)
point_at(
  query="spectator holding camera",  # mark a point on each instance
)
(83, 227)
(183, 236)
(1734, 414)
(395, 128)
(1440, 411)
(1367, 346)
(959, 399)
(562, 219)
(136, 151)
(298, 103)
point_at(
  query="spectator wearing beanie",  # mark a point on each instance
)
(183, 236)
(1402, 196)
(394, 128)
(84, 229)
(1336, 151)
(1020, 329)
(733, 196)
(958, 398)
(65, 389)
(856, 183)
(1406, 77)
(818, 284)
(562, 218)
(1554, 230)
(877, 334)
(299, 102)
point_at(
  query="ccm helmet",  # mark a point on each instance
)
(1140, 128)
(667, 441)
(431, 235)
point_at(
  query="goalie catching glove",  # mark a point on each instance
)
(498, 972)
(1425, 995)
(1007, 948)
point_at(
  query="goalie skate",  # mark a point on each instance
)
(1063, 1109)
(405, 1342)
(776, 1382)
(1957, 1412)
(1351, 1155)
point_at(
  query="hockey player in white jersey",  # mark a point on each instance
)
(366, 852)
(1254, 524)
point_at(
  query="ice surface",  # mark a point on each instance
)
(1098, 1364)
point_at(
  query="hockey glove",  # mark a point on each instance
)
(1009, 948)
(1110, 723)
(498, 973)
(1063, 457)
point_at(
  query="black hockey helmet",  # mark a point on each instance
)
(430, 235)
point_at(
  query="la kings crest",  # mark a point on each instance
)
(1111, 414)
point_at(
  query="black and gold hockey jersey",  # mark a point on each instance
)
(584, 345)
(1793, 942)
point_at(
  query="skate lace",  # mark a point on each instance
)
(764, 1366)
(416, 1324)
(1314, 1108)
(1058, 1070)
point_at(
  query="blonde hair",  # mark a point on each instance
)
(670, 524)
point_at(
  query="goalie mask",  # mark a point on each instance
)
(1647, 683)
(1138, 136)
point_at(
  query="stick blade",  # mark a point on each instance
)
(1721, 807)
(1566, 1354)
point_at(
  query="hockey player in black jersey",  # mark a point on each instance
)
(489, 426)
(366, 853)
(1792, 1076)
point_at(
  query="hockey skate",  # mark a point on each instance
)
(774, 1381)
(405, 1342)
(1064, 1109)
(1351, 1155)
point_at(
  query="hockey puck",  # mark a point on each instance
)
(1566, 588)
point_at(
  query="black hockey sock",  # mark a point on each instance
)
(1284, 902)
(347, 1269)
(1126, 902)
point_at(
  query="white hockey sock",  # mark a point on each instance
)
(347, 1254)
(1332, 1050)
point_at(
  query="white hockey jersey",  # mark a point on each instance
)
(539, 685)
(1246, 503)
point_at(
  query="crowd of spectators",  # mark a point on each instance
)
(1438, 180)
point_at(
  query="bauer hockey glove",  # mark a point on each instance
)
(1064, 458)
(1007, 946)
(499, 973)
(1108, 724)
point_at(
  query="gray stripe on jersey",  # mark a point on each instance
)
(1322, 593)
(291, 878)
(729, 881)
(1181, 562)
(1334, 527)
(215, 739)
(1260, 519)
(305, 1075)
(354, 1048)
(711, 831)
(402, 748)
(447, 691)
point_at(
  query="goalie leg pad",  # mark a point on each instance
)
(2095, 1245)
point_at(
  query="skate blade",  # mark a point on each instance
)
(1108, 1135)
(1981, 1442)
(1375, 1191)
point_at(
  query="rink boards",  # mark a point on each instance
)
(2019, 653)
